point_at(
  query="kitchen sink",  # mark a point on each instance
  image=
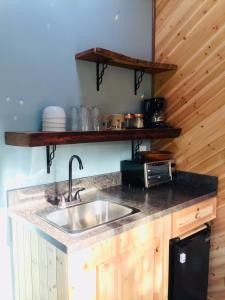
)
(85, 216)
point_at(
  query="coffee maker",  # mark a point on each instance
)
(153, 110)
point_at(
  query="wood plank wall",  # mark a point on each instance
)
(191, 34)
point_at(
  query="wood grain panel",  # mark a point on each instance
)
(35, 275)
(35, 139)
(190, 218)
(40, 269)
(27, 263)
(132, 265)
(15, 262)
(43, 265)
(119, 60)
(192, 35)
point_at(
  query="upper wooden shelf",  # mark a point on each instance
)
(119, 60)
(34, 139)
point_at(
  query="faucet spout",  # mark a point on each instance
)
(70, 196)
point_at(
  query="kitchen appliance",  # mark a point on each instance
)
(145, 174)
(189, 265)
(153, 110)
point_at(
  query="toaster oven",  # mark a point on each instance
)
(146, 174)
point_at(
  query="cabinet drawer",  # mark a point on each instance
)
(191, 217)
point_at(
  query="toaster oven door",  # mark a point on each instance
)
(157, 173)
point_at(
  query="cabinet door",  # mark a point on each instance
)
(130, 266)
(129, 275)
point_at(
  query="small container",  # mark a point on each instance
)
(138, 121)
(117, 121)
(106, 122)
(128, 121)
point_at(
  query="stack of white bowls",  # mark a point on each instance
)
(54, 119)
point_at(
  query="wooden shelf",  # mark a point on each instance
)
(34, 139)
(100, 55)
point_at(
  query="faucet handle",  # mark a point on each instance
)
(62, 201)
(77, 194)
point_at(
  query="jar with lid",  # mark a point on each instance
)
(128, 121)
(138, 121)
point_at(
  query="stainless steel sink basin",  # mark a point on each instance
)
(85, 216)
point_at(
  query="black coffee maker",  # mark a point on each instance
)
(153, 110)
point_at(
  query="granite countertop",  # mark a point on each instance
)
(185, 190)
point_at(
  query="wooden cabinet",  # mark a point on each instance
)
(187, 219)
(133, 265)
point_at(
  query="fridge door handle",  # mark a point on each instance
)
(202, 227)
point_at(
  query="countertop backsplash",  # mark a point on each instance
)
(43, 192)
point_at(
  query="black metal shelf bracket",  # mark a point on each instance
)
(135, 148)
(50, 155)
(138, 77)
(100, 73)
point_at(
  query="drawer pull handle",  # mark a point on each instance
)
(196, 215)
(193, 231)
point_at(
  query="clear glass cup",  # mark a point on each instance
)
(96, 118)
(85, 118)
(74, 118)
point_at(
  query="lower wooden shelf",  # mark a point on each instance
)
(34, 139)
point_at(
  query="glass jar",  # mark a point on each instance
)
(128, 121)
(117, 121)
(138, 121)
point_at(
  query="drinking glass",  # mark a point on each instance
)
(85, 118)
(96, 118)
(74, 118)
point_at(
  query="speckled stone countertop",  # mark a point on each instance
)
(185, 190)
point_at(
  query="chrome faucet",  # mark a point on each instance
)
(71, 200)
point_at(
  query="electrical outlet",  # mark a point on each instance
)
(143, 148)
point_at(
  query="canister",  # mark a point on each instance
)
(138, 121)
(128, 121)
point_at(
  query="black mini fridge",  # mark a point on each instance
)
(189, 266)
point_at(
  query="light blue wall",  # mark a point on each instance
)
(38, 40)
(37, 68)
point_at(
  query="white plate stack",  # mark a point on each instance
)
(54, 119)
